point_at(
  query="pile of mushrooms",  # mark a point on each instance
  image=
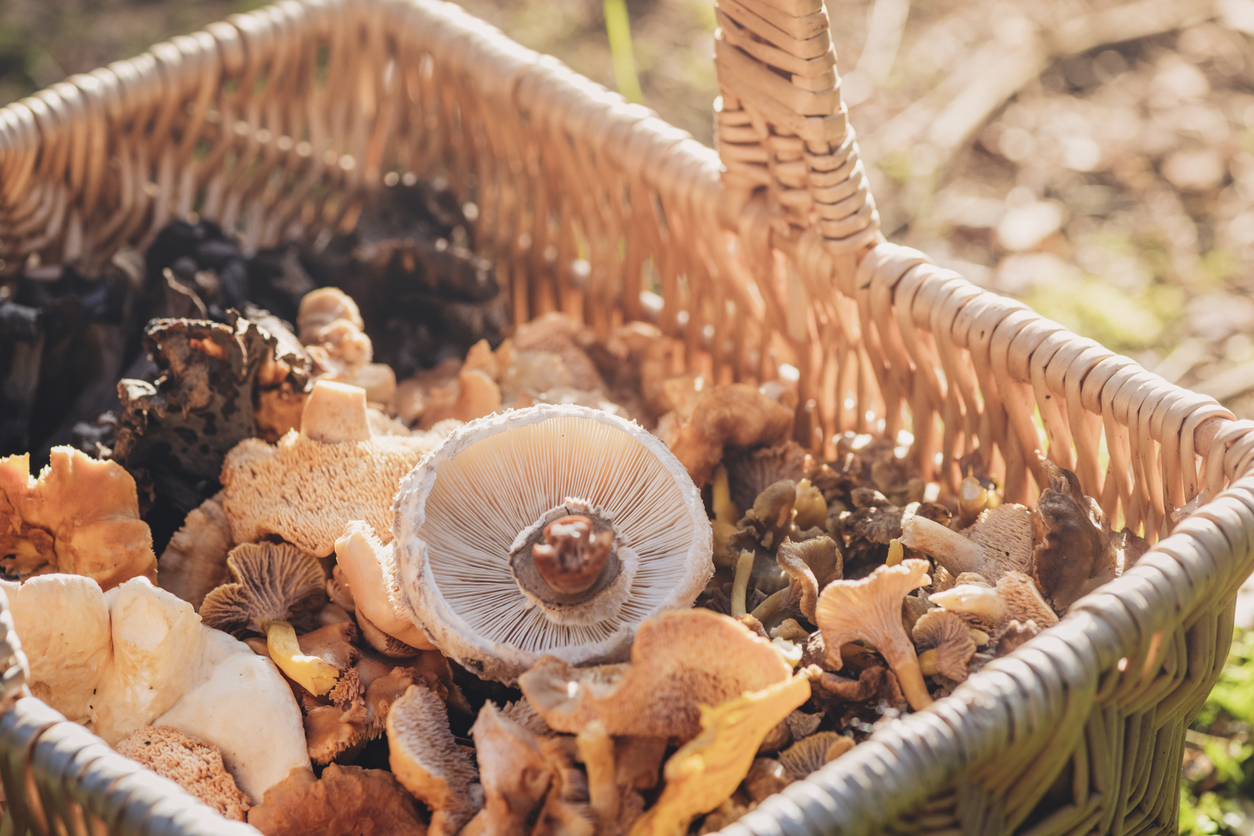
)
(558, 588)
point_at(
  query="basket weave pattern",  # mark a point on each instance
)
(279, 123)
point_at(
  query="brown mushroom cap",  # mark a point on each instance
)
(80, 517)
(730, 415)
(192, 764)
(1071, 545)
(461, 549)
(347, 799)
(273, 582)
(425, 759)
(811, 564)
(306, 490)
(680, 660)
(516, 770)
(194, 563)
(950, 639)
(870, 609)
(752, 471)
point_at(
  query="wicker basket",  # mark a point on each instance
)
(279, 122)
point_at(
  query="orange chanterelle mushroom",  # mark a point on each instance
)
(548, 531)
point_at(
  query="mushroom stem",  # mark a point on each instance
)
(895, 552)
(982, 602)
(596, 750)
(740, 583)
(927, 662)
(572, 555)
(314, 674)
(901, 658)
(725, 510)
(768, 609)
(949, 548)
(972, 499)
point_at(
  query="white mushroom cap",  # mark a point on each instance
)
(460, 512)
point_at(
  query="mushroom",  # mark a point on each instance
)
(357, 708)
(365, 568)
(752, 471)
(811, 565)
(139, 656)
(81, 516)
(346, 799)
(466, 556)
(525, 777)
(811, 753)
(314, 482)
(1000, 541)
(680, 660)
(1073, 542)
(194, 765)
(1015, 597)
(330, 326)
(731, 415)
(704, 772)
(426, 761)
(949, 641)
(557, 334)
(766, 777)
(277, 586)
(194, 563)
(870, 609)
(875, 684)
(596, 750)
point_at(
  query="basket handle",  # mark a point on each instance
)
(781, 124)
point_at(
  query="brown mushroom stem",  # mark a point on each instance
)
(596, 750)
(766, 611)
(949, 548)
(314, 674)
(572, 555)
(740, 584)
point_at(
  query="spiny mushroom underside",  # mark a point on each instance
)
(570, 564)
(469, 518)
(426, 761)
(870, 610)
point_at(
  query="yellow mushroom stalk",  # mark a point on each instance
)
(740, 584)
(314, 674)
(704, 772)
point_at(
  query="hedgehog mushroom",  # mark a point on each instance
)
(731, 415)
(314, 482)
(870, 609)
(80, 517)
(194, 563)
(482, 571)
(277, 586)
(194, 765)
(949, 642)
(425, 759)
(1000, 541)
(680, 660)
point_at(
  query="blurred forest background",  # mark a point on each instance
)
(1094, 158)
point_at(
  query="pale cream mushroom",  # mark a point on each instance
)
(870, 609)
(364, 570)
(470, 516)
(1015, 598)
